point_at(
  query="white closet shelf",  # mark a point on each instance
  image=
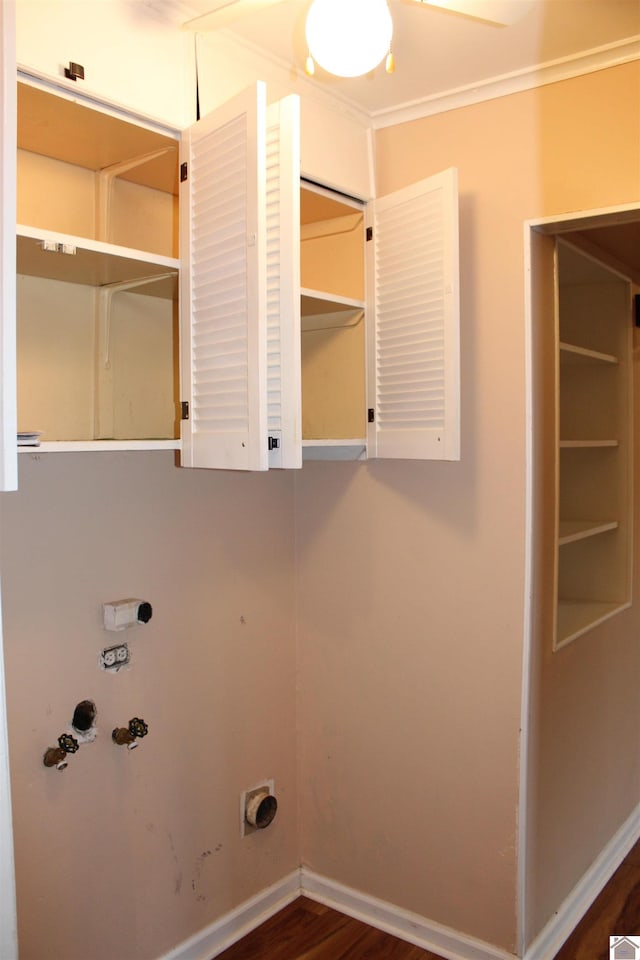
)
(321, 311)
(94, 263)
(571, 530)
(570, 353)
(576, 617)
(95, 446)
(334, 449)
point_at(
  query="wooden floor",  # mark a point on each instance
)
(310, 931)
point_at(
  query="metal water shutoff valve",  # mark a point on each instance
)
(57, 756)
(127, 736)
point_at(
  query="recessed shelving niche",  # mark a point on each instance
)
(593, 542)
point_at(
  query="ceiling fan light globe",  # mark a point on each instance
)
(349, 37)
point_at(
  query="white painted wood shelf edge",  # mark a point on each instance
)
(585, 444)
(576, 617)
(571, 530)
(355, 449)
(98, 446)
(320, 311)
(94, 262)
(570, 353)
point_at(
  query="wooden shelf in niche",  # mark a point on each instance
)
(576, 617)
(570, 353)
(571, 530)
(585, 444)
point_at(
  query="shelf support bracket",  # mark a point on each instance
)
(103, 421)
(105, 178)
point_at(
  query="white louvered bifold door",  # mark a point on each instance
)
(223, 294)
(284, 397)
(413, 347)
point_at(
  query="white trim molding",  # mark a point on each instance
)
(564, 68)
(435, 937)
(446, 942)
(574, 907)
(230, 928)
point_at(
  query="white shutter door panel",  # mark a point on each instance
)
(8, 417)
(413, 345)
(222, 242)
(284, 396)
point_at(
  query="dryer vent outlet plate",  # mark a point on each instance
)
(258, 808)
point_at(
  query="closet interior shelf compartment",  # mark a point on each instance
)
(92, 262)
(322, 311)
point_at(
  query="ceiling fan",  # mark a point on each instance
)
(220, 13)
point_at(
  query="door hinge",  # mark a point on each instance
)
(369, 233)
(184, 408)
(183, 172)
(371, 415)
(273, 443)
(75, 71)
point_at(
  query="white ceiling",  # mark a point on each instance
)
(436, 51)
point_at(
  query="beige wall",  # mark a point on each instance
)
(125, 854)
(411, 576)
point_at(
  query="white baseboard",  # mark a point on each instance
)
(444, 941)
(233, 926)
(562, 924)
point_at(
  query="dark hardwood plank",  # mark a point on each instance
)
(288, 934)
(310, 931)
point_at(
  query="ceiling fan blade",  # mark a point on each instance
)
(503, 12)
(223, 12)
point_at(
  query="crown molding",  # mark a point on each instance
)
(529, 78)
(293, 79)
(554, 71)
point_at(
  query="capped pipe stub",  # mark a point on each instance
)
(261, 809)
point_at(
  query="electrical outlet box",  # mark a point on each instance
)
(120, 614)
(114, 658)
